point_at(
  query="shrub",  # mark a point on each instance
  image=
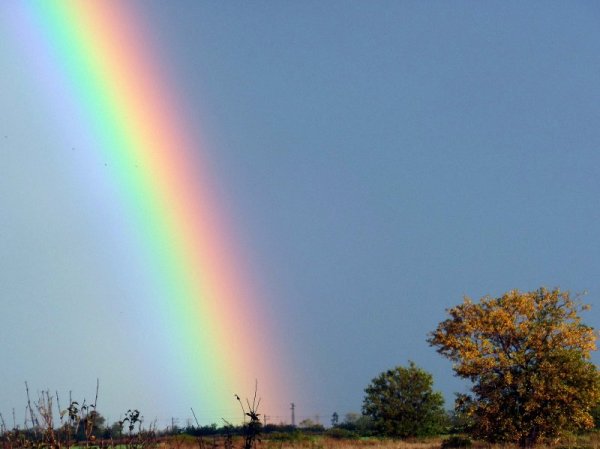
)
(339, 434)
(456, 441)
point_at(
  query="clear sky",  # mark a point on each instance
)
(380, 161)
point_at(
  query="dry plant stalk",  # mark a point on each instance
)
(253, 427)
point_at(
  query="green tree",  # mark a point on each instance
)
(335, 419)
(351, 417)
(401, 403)
(527, 355)
(355, 422)
(308, 425)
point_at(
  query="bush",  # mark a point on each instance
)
(339, 434)
(456, 441)
(295, 435)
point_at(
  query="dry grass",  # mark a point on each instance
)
(327, 443)
(317, 442)
(587, 441)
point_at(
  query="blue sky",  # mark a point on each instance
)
(383, 159)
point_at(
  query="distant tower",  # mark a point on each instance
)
(293, 408)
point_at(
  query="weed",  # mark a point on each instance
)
(251, 428)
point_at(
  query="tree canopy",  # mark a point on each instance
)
(528, 356)
(401, 403)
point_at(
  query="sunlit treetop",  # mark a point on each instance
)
(528, 355)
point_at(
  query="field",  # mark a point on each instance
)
(585, 441)
(296, 441)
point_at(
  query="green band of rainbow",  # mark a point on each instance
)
(155, 158)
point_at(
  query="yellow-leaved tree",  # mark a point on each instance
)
(528, 356)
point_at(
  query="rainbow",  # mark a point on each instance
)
(209, 305)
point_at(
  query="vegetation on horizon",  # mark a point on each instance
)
(526, 353)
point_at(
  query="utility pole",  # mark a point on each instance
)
(293, 408)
